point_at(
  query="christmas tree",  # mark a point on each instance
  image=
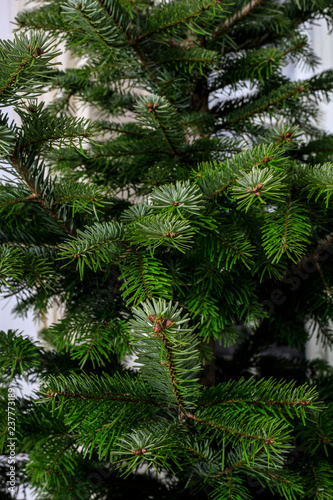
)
(192, 213)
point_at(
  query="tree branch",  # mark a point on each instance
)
(237, 465)
(172, 373)
(322, 245)
(175, 23)
(21, 169)
(108, 397)
(244, 11)
(323, 279)
(165, 133)
(15, 75)
(265, 106)
(227, 429)
(30, 245)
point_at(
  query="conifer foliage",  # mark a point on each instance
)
(193, 211)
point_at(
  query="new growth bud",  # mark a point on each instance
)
(140, 451)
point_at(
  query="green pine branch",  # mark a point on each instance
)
(286, 231)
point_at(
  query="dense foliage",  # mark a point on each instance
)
(190, 224)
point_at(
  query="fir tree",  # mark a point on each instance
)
(194, 210)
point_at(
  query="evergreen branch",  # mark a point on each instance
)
(25, 68)
(19, 200)
(265, 106)
(155, 445)
(137, 212)
(116, 13)
(268, 391)
(40, 127)
(121, 388)
(239, 464)
(87, 338)
(318, 483)
(19, 356)
(164, 237)
(231, 492)
(146, 64)
(215, 177)
(157, 230)
(173, 372)
(274, 476)
(238, 16)
(144, 277)
(37, 194)
(295, 47)
(131, 153)
(30, 245)
(280, 399)
(58, 137)
(181, 197)
(316, 489)
(168, 344)
(93, 22)
(313, 256)
(7, 137)
(8, 84)
(201, 455)
(323, 330)
(119, 129)
(317, 181)
(294, 402)
(286, 230)
(183, 60)
(157, 112)
(92, 25)
(165, 131)
(329, 291)
(29, 269)
(286, 225)
(230, 430)
(259, 185)
(53, 460)
(54, 393)
(63, 103)
(44, 18)
(177, 22)
(47, 27)
(96, 245)
(263, 36)
(229, 250)
(58, 456)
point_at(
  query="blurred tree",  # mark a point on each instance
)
(194, 210)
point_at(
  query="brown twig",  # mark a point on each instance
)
(13, 78)
(231, 21)
(323, 279)
(172, 373)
